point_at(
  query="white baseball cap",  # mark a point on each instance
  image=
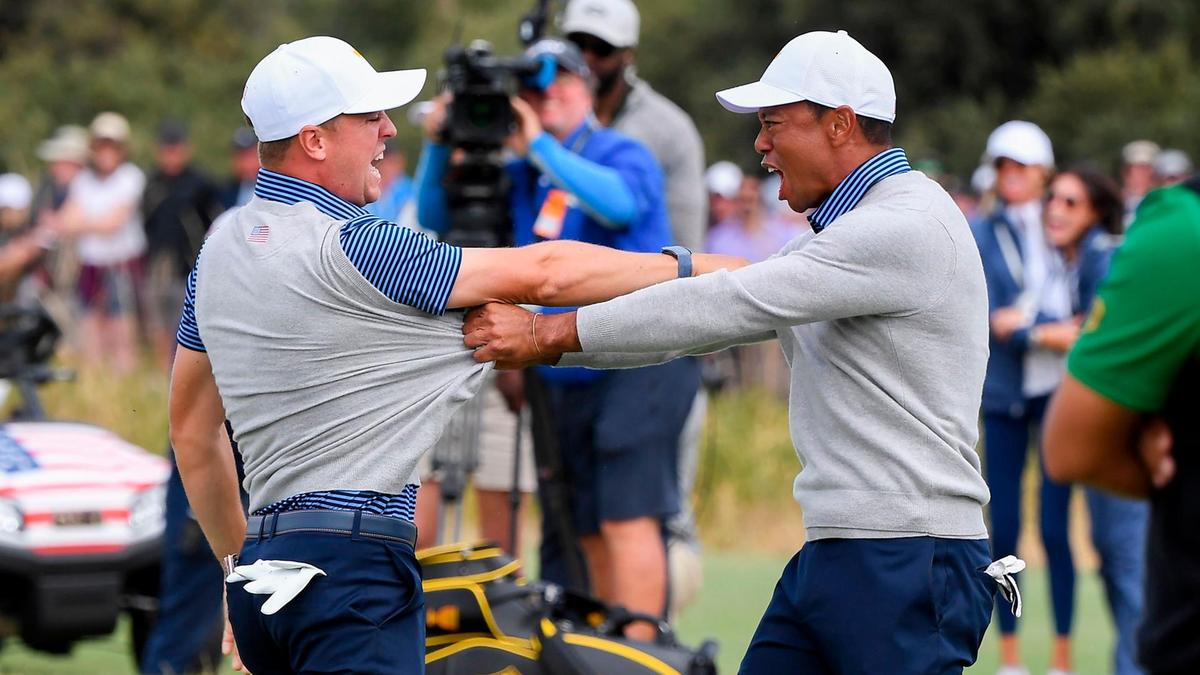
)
(723, 178)
(831, 69)
(1022, 142)
(313, 80)
(15, 191)
(614, 21)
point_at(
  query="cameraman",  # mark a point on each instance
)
(619, 431)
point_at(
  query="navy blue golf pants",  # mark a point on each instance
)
(896, 606)
(366, 615)
(1006, 441)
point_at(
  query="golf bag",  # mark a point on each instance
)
(482, 616)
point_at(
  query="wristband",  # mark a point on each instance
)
(683, 255)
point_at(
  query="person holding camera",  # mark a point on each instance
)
(324, 334)
(618, 432)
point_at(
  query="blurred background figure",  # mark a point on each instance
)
(16, 197)
(723, 180)
(1032, 325)
(1137, 174)
(1084, 214)
(397, 186)
(243, 165)
(751, 232)
(102, 214)
(178, 206)
(1172, 167)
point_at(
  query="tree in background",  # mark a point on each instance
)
(1094, 73)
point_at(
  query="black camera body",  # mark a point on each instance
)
(478, 120)
(480, 115)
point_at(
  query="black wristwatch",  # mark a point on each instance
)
(683, 255)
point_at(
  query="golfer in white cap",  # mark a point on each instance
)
(324, 334)
(882, 314)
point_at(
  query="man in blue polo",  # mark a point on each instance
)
(618, 432)
(323, 334)
(882, 314)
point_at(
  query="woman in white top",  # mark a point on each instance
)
(102, 214)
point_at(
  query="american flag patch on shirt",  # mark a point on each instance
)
(259, 234)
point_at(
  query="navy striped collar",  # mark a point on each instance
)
(852, 188)
(278, 187)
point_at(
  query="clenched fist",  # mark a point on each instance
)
(515, 338)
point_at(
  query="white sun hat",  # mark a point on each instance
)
(831, 69)
(313, 80)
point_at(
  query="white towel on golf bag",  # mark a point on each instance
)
(1002, 571)
(281, 579)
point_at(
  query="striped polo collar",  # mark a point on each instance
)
(278, 187)
(852, 188)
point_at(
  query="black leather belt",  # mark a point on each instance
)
(332, 522)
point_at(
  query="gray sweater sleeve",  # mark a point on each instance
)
(607, 360)
(873, 261)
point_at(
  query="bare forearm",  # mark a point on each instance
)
(210, 479)
(581, 274)
(1092, 440)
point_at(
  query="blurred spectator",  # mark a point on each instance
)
(723, 180)
(102, 213)
(1137, 173)
(1084, 213)
(17, 248)
(178, 207)
(750, 232)
(397, 186)
(65, 154)
(1125, 418)
(244, 162)
(1032, 324)
(606, 31)
(1172, 167)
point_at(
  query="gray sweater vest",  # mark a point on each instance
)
(883, 319)
(329, 385)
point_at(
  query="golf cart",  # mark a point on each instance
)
(81, 510)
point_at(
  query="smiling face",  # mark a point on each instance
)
(795, 144)
(1069, 211)
(355, 146)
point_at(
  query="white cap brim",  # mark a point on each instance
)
(749, 98)
(392, 89)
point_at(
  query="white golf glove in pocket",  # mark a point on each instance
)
(281, 579)
(1002, 571)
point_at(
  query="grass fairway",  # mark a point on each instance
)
(736, 589)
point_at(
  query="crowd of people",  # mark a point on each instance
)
(600, 157)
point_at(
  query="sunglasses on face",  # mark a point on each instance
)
(1071, 202)
(593, 44)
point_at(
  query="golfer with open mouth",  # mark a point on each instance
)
(882, 314)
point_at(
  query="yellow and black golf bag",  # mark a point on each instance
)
(483, 616)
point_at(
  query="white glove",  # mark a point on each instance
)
(1002, 571)
(281, 579)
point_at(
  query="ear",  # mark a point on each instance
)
(312, 141)
(841, 124)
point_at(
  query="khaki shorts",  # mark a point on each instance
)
(496, 443)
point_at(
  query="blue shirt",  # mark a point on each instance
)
(648, 230)
(847, 194)
(406, 266)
